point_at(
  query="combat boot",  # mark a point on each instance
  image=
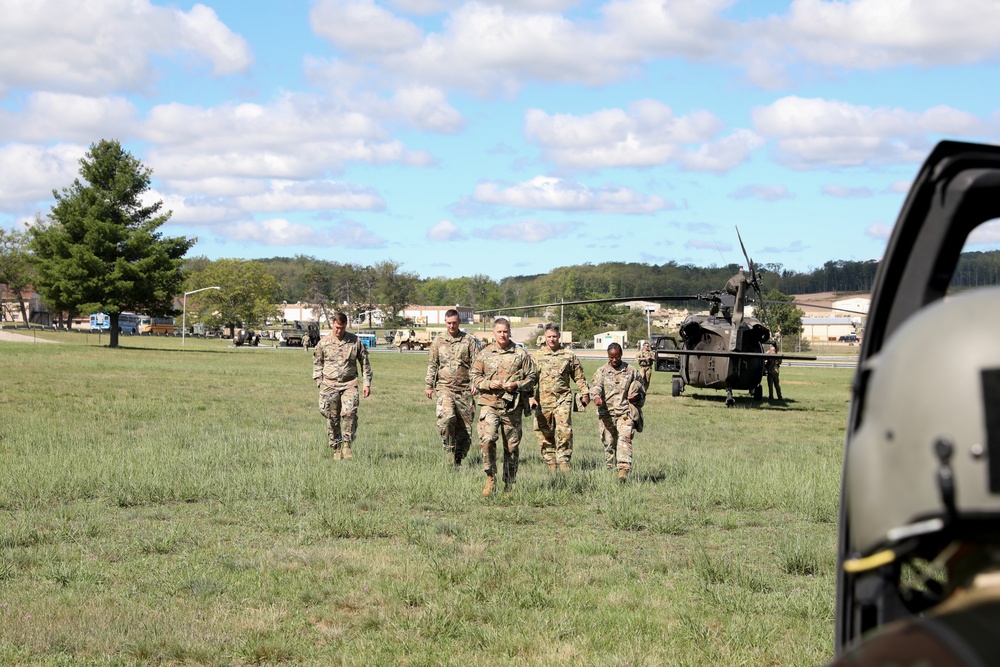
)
(622, 476)
(347, 451)
(491, 485)
(449, 457)
(338, 455)
(552, 466)
(564, 466)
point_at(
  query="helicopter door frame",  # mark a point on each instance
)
(956, 190)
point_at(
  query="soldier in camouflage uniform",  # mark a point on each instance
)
(645, 361)
(553, 399)
(448, 364)
(502, 374)
(335, 370)
(773, 369)
(617, 391)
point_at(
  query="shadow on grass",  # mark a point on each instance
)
(654, 477)
(745, 401)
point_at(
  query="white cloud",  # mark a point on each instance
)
(682, 28)
(195, 210)
(312, 196)
(844, 192)
(879, 231)
(446, 231)
(222, 186)
(722, 155)
(987, 233)
(864, 35)
(427, 109)
(548, 193)
(200, 31)
(794, 246)
(266, 197)
(29, 173)
(527, 231)
(699, 244)
(491, 47)
(48, 117)
(105, 46)
(762, 191)
(645, 135)
(361, 26)
(297, 136)
(900, 187)
(817, 132)
(281, 232)
(876, 34)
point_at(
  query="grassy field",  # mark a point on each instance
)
(160, 506)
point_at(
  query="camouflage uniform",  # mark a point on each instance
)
(617, 418)
(645, 360)
(773, 369)
(448, 364)
(335, 370)
(556, 370)
(500, 412)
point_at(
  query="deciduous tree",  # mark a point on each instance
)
(247, 297)
(100, 249)
(395, 288)
(780, 315)
(15, 265)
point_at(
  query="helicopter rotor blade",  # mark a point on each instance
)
(620, 299)
(754, 276)
(815, 305)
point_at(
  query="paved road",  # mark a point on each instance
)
(11, 337)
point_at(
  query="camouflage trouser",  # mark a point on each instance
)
(504, 426)
(616, 434)
(555, 432)
(772, 384)
(455, 412)
(339, 404)
(647, 374)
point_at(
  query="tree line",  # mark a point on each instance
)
(100, 250)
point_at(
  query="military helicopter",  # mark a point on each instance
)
(721, 350)
(724, 349)
(956, 190)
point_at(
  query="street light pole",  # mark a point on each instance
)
(184, 316)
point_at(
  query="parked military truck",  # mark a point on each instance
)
(300, 334)
(413, 339)
(565, 338)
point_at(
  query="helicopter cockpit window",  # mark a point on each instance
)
(979, 264)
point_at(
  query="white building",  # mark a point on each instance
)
(301, 312)
(824, 329)
(602, 340)
(434, 315)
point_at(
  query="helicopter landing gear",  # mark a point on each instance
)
(676, 387)
(730, 401)
(758, 393)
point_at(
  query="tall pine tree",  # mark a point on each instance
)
(100, 250)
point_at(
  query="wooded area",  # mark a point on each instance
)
(300, 277)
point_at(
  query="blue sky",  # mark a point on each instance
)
(462, 138)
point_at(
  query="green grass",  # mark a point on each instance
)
(181, 507)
